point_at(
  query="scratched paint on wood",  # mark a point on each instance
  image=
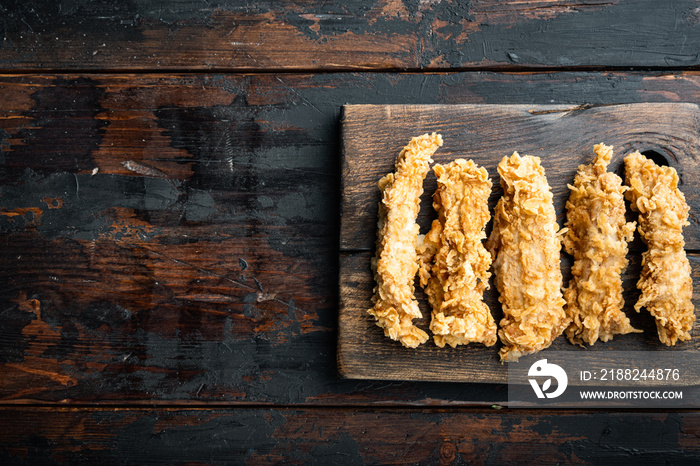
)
(140, 276)
(337, 436)
(359, 35)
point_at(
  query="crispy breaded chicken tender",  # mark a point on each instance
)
(460, 262)
(597, 237)
(666, 284)
(526, 248)
(396, 261)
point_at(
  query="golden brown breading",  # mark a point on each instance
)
(666, 285)
(526, 248)
(396, 261)
(597, 237)
(460, 262)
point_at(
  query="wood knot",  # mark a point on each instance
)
(448, 450)
(53, 202)
(656, 157)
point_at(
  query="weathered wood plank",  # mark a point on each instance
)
(128, 285)
(364, 352)
(302, 436)
(367, 34)
(562, 136)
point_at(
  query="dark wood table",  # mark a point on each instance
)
(169, 222)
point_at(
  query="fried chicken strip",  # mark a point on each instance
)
(597, 237)
(526, 248)
(666, 285)
(460, 262)
(396, 261)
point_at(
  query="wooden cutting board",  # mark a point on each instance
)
(563, 137)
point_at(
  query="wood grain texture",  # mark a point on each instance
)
(169, 238)
(200, 262)
(343, 436)
(563, 137)
(364, 352)
(366, 34)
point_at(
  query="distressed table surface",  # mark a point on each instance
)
(170, 191)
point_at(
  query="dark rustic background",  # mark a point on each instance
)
(169, 211)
